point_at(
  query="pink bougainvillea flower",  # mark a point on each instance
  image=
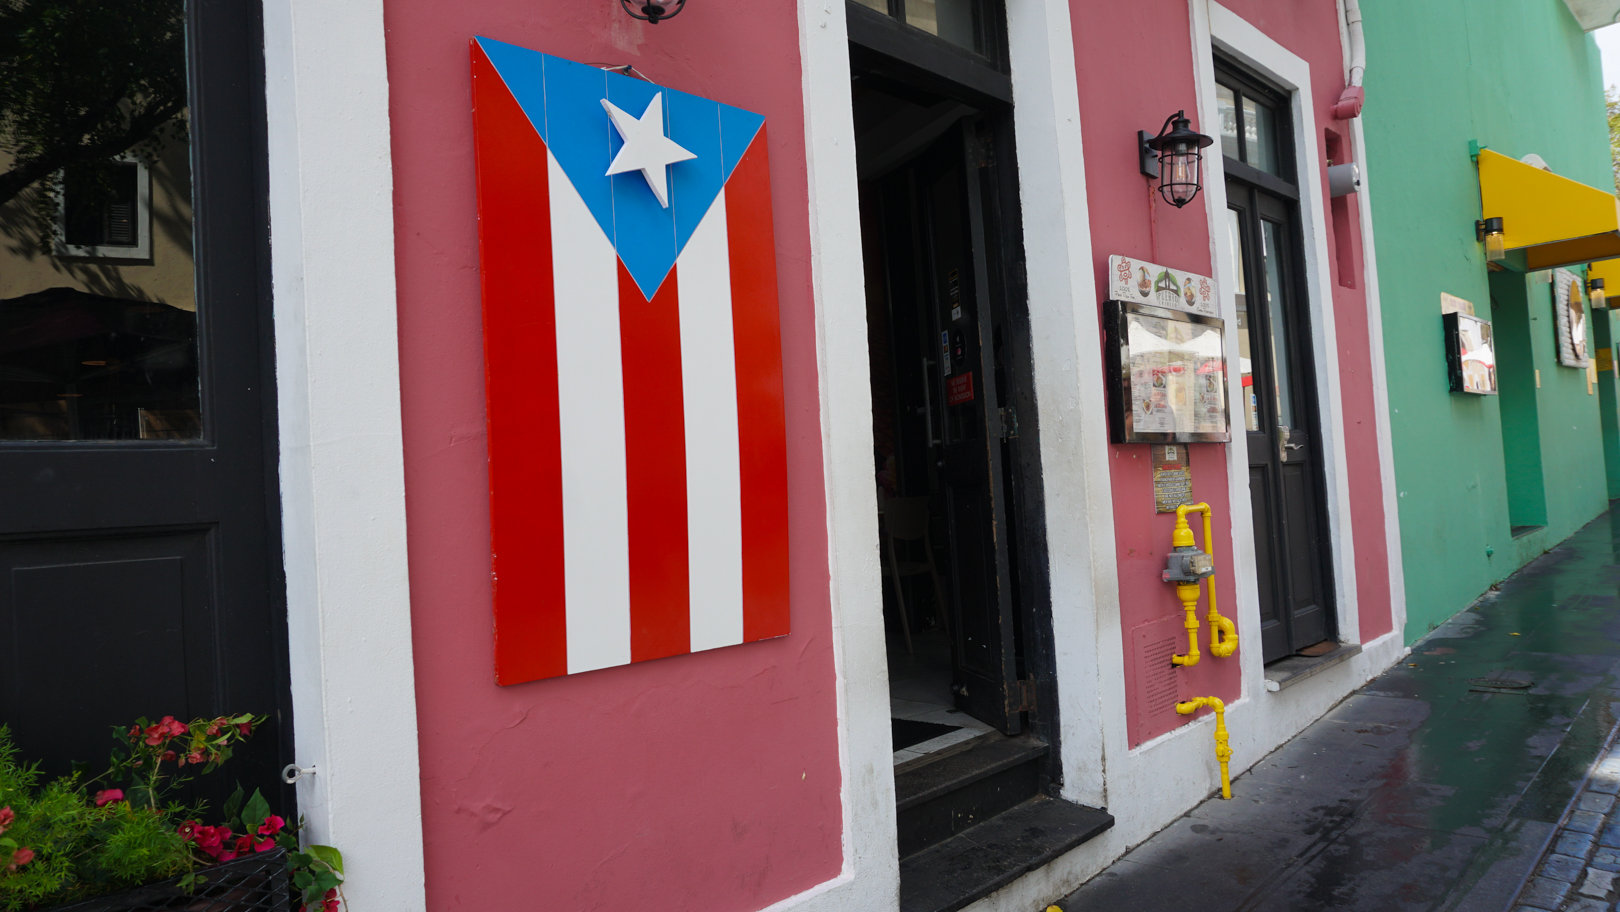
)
(7, 816)
(271, 826)
(195, 757)
(188, 830)
(264, 845)
(244, 844)
(246, 728)
(154, 736)
(109, 796)
(210, 838)
(20, 857)
(167, 755)
(225, 854)
(134, 733)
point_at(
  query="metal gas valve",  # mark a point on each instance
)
(1187, 564)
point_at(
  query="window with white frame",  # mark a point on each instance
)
(104, 210)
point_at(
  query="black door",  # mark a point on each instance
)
(965, 400)
(944, 424)
(1279, 409)
(140, 541)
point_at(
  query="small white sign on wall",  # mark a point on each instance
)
(1141, 282)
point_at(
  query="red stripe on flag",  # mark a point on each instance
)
(655, 469)
(520, 375)
(761, 427)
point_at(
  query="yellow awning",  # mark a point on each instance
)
(1609, 272)
(1548, 220)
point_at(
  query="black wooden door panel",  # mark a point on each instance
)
(986, 666)
(140, 545)
(117, 626)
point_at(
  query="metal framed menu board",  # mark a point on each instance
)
(1165, 359)
(1470, 354)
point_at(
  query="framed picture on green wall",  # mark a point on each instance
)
(1569, 317)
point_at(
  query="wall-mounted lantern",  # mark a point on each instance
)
(1596, 294)
(1490, 231)
(1175, 158)
(654, 11)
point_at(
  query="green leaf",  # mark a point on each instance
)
(257, 809)
(8, 842)
(233, 804)
(331, 856)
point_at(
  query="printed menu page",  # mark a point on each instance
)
(1177, 377)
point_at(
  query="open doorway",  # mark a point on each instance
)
(956, 453)
(942, 417)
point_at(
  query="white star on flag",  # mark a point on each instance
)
(646, 148)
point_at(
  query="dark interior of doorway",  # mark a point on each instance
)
(965, 605)
(927, 389)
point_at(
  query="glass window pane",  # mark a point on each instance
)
(1276, 310)
(98, 306)
(1226, 102)
(1251, 402)
(952, 20)
(881, 6)
(1260, 135)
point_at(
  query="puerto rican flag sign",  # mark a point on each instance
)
(637, 447)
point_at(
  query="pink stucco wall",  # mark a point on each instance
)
(708, 781)
(1118, 96)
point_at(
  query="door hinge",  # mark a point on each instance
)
(1009, 422)
(1026, 695)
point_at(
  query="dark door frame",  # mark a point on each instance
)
(1276, 199)
(882, 46)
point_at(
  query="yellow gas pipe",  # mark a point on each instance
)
(1223, 749)
(1223, 638)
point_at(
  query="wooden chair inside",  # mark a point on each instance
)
(906, 519)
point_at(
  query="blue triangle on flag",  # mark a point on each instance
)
(563, 100)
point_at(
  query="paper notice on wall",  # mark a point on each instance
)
(1142, 282)
(1452, 304)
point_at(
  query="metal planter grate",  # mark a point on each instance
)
(256, 883)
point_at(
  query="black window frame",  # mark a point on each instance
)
(867, 25)
(1233, 75)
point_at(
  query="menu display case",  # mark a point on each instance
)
(1167, 375)
(1470, 354)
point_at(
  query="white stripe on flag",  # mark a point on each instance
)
(713, 471)
(590, 393)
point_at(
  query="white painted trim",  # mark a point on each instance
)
(1070, 393)
(1237, 37)
(1380, 379)
(341, 462)
(870, 878)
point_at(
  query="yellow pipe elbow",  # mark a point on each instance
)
(1188, 593)
(1223, 746)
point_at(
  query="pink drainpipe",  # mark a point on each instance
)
(1353, 96)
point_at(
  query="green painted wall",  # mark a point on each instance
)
(1520, 77)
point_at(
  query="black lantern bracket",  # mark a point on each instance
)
(1177, 137)
(653, 11)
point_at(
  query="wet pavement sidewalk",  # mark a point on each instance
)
(1449, 783)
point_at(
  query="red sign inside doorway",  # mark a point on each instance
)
(959, 389)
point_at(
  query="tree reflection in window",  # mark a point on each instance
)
(98, 307)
